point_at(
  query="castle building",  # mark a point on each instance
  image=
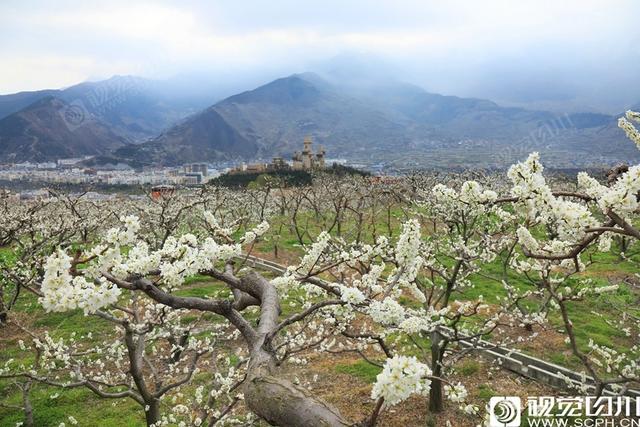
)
(306, 160)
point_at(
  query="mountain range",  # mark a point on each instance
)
(44, 131)
(135, 108)
(395, 123)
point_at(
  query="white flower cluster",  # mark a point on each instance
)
(212, 221)
(416, 324)
(362, 253)
(626, 125)
(126, 236)
(286, 282)
(177, 259)
(529, 185)
(527, 240)
(312, 256)
(256, 232)
(613, 361)
(407, 255)
(621, 197)
(368, 282)
(569, 219)
(62, 292)
(140, 260)
(424, 320)
(370, 279)
(470, 200)
(400, 378)
(388, 312)
(183, 257)
(351, 295)
(605, 289)
(456, 393)
(471, 193)
(54, 353)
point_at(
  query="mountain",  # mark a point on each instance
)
(272, 120)
(204, 136)
(50, 129)
(134, 107)
(463, 117)
(279, 114)
(13, 103)
(397, 124)
(374, 121)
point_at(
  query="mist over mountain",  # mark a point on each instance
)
(385, 121)
(135, 108)
(520, 79)
(205, 136)
(367, 116)
(13, 103)
(559, 56)
(44, 131)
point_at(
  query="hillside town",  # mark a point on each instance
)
(74, 171)
(70, 171)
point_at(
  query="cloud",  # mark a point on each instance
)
(454, 46)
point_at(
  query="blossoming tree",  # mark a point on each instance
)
(402, 300)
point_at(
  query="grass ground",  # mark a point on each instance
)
(327, 375)
(592, 316)
(335, 373)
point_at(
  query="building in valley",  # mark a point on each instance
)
(301, 160)
(307, 160)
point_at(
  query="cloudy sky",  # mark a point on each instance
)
(538, 53)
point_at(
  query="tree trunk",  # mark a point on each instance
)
(28, 408)
(152, 412)
(435, 393)
(3, 309)
(180, 344)
(280, 402)
(276, 400)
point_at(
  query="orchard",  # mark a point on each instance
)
(154, 309)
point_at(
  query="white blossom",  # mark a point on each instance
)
(400, 378)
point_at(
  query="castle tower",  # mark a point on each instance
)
(307, 154)
(307, 144)
(297, 160)
(320, 157)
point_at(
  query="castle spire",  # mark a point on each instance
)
(307, 144)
